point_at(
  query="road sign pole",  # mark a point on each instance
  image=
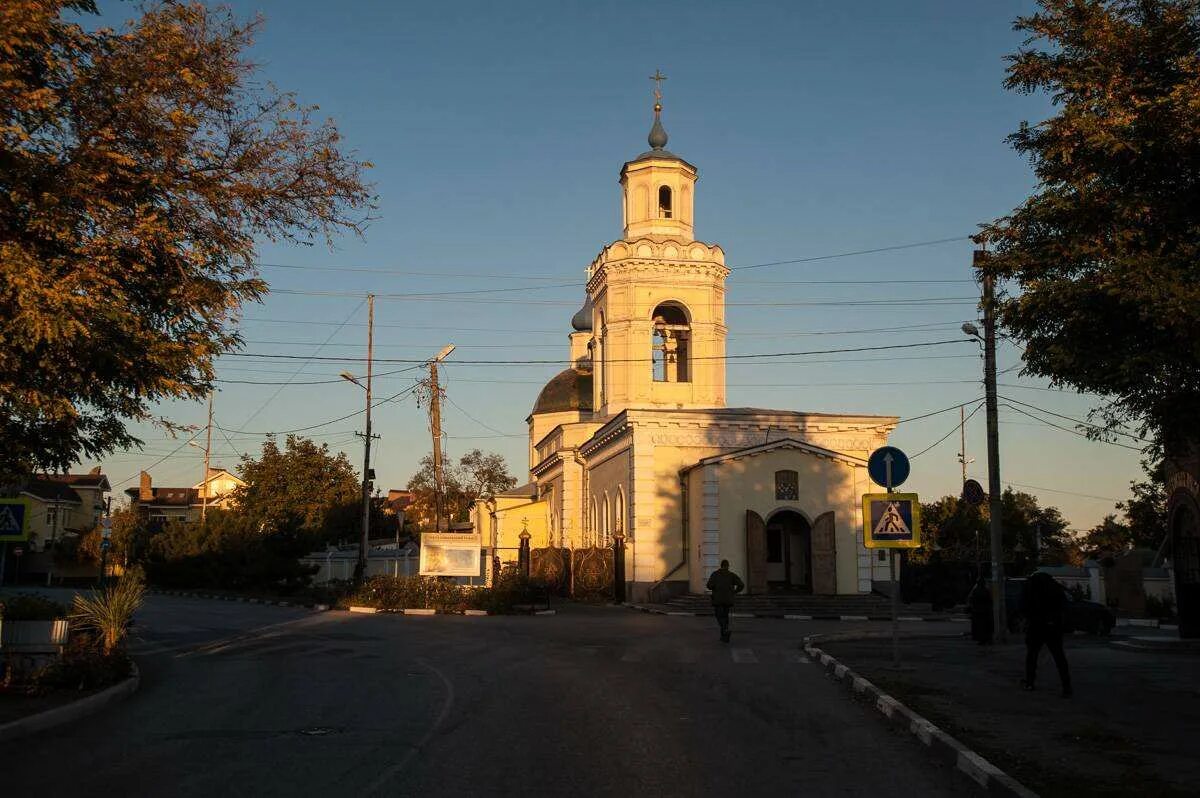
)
(3, 560)
(895, 583)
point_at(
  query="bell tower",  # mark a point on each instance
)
(658, 294)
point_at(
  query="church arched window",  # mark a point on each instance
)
(605, 529)
(670, 350)
(590, 537)
(664, 202)
(619, 512)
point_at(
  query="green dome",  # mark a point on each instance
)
(569, 390)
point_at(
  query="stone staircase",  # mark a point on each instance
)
(872, 606)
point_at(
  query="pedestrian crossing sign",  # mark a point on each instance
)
(14, 519)
(891, 521)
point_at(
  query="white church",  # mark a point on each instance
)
(636, 438)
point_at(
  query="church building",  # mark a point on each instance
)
(636, 437)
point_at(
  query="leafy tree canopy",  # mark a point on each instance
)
(1032, 533)
(301, 487)
(1106, 252)
(137, 170)
(476, 475)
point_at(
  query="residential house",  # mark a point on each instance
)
(64, 505)
(157, 506)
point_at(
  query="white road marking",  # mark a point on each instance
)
(631, 656)
(743, 655)
(797, 657)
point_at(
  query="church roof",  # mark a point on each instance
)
(570, 389)
(582, 320)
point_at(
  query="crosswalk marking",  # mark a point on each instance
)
(797, 657)
(743, 655)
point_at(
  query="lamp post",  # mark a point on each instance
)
(435, 425)
(988, 339)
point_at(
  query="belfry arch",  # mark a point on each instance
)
(671, 343)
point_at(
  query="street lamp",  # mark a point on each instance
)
(971, 330)
(348, 377)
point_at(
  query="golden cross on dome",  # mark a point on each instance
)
(658, 77)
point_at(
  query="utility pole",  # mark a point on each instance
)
(360, 568)
(435, 424)
(207, 450)
(962, 441)
(993, 443)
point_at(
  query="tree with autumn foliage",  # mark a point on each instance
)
(138, 167)
(1104, 257)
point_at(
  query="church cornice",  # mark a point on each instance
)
(652, 253)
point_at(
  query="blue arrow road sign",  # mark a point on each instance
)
(888, 467)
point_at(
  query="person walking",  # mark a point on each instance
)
(979, 602)
(1044, 605)
(724, 584)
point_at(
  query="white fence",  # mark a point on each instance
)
(339, 565)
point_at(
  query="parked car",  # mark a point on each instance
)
(1081, 614)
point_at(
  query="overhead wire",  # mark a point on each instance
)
(953, 429)
(1068, 429)
(560, 361)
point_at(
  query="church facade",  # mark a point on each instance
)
(636, 438)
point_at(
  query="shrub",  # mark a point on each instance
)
(83, 666)
(30, 607)
(1080, 592)
(421, 592)
(1161, 608)
(107, 614)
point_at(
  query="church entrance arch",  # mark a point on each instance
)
(789, 551)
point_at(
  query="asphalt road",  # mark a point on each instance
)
(240, 699)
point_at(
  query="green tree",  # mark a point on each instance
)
(1146, 511)
(1105, 254)
(1032, 534)
(302, 488)
(138, 170)
(129, 539)
(476, 475)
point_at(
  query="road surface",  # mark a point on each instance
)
(240, 699)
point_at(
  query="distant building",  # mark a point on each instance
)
(157, 506)
(64, 505)
(397, 501)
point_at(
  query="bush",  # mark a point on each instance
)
(107, 614)
(30, 607)
(83, 666)
(421, 592)
(1080, 592)
(1161, 608)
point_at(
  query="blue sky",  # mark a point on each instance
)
(498, 130)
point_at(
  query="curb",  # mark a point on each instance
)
(74, 711)
(788, 617)
(424, 611)
(991, 778)
(239, 599)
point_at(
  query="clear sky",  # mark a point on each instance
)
(498, 130)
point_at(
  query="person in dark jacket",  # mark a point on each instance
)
(1044, 605)
(724, 584)
(979, 602)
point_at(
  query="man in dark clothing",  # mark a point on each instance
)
(1044, 605)
(724, 584)
(979, 602)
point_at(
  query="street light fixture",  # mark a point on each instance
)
(348, 377)
(971, 330)
(442, 355)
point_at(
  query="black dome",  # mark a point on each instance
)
(568, 390)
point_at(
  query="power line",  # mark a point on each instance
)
(893, 248)
(271, 398)
(1067, 492)
(531, 277)
(1077, 421)
(161, 459)
(1068, 429)
(953, 430)
(391, 398)
(628, 360)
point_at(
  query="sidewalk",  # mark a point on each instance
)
(1129, 730)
